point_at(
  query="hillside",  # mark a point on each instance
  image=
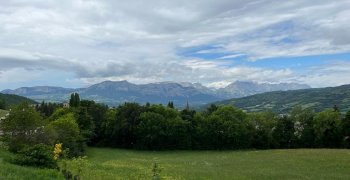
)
(283, 101)
(116, 92)
(11, 99)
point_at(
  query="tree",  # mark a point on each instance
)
(2, 104)
(229, 126)
(211, 109)
(127, 119)
(94, 118)
(74, 100)
(156, 131)
(284, 133)
(85, 122)
(262, 126)
(345, 125)
(65, 130)
(304, 126)
(21, 127)
(170, 104)
(327, 128)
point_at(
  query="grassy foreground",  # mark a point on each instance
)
(267, 164)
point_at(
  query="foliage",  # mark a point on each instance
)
(327, 128)
(57, 151)
(284, 133)
(38, 155)
(22, 127)
(65, 130)
(47, 109)
(304, 126)
(346, 129)
(74, 168)
(3, 113)
(125, 125)
(2, 104)
(74, 100)
(262, 126)
(158, 127)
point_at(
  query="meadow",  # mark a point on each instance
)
(104, 163)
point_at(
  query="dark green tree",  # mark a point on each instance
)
(2, 104)
(284, 133)
(327, 128)
(262, 125)
(211, 109)
(21, 127)
(345, 125)
(170, 104)
(74, 100)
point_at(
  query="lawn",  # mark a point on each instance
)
(265, 164)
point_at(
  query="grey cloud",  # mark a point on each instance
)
(139, 39)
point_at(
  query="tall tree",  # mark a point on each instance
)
(170, 104)
(74, 100)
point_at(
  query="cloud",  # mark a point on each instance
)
(332, 74)
(140, 40)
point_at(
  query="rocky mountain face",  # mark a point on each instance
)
(246, 88)
(116, 92)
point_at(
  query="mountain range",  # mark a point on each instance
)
(283, 101)
(116, 92)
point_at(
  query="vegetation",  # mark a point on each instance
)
(284, 101)
(8, 100)
(128, 164)
(13, 171)
(60, 138)
(39, 155)
(3, 113)
(22, 127)
(158, 127)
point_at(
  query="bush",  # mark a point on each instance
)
(65, 130)
(39, 155)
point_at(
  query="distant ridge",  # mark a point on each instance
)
(11, 99)
(116, 92)
(284, 101)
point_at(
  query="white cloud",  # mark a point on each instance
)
(139, 40)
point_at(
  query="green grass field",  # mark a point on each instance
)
(267, 164)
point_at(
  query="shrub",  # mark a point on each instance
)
(66, 131)
(39, 155)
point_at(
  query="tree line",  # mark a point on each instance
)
(159, 127)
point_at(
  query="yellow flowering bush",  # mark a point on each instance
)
(57, 151)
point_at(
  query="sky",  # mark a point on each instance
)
(76, 43)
